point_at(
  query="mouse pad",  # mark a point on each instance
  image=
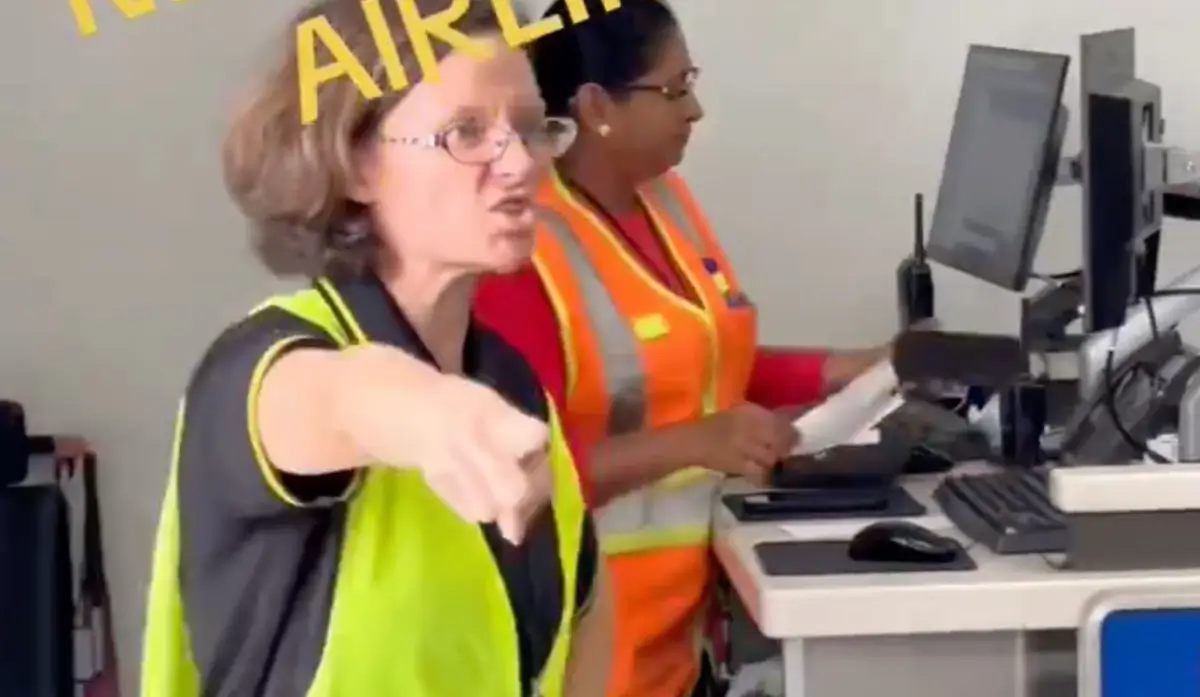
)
(832, 558)
(900, 504)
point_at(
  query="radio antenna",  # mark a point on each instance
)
(919, 227)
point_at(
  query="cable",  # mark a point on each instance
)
(1114, 383)
(1111, 386)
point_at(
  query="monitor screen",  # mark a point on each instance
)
(1108, 65)
(1001, 164)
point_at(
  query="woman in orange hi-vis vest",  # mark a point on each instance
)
(634, 319)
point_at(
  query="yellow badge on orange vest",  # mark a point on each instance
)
(651, 327)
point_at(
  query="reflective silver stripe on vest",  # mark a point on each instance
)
(677, 213)
(624, 381)
(659, 516)
(654, 516)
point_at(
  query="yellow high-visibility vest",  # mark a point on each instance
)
(420, 608)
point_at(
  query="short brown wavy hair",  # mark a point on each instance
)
(292, 180)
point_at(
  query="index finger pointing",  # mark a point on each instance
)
(518, 435)
(499, 472)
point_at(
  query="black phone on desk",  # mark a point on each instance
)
(777, 503)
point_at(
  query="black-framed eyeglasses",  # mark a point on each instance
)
(672, 93)
(474, 143)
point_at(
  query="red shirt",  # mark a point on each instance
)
(517, 308)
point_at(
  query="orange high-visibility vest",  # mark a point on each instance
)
(638, 356)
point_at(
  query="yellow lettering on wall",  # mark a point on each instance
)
(85, 17)
(516, 35)
(311, 76)
(439, 26)
(385, 43)
(577, 9)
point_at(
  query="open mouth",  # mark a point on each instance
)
(513, 205)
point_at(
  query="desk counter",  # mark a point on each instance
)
(960, 626)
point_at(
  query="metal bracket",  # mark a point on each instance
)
(1164, 166)
(1170, 166)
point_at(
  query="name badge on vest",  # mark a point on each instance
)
(733, 298)
(651, 327)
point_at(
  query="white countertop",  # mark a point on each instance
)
(1021, 592)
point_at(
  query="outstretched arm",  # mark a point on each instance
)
(277, 391)
(785, 377)
(843, 365)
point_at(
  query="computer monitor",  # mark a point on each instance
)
(1001, 165)
(1121, 215)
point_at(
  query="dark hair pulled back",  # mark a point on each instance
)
(611, 49)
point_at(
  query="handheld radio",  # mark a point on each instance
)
(914, 278)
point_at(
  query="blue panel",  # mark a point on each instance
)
(1150, 653)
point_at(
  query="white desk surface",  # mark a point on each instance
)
(1022, 592)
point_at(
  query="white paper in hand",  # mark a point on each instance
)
(870, 435)
(850, 415)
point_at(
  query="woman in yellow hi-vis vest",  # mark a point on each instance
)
(370, 496)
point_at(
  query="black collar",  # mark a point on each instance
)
(382, 321)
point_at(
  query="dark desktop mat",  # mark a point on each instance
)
(900, 504)
(832, 558)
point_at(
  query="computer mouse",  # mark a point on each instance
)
(901, 541)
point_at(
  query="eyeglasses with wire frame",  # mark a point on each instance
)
(672, 93)
(477, 143)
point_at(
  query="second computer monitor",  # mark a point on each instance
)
(1001, 164)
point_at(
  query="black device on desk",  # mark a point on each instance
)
(792, 502)
(811, 488)
(868, 466)
(992, 361)
(916, 438)
(1009, 512)
(935, 432)
(901, 541)
(885, 547)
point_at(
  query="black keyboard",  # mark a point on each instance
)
(1008, 512)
